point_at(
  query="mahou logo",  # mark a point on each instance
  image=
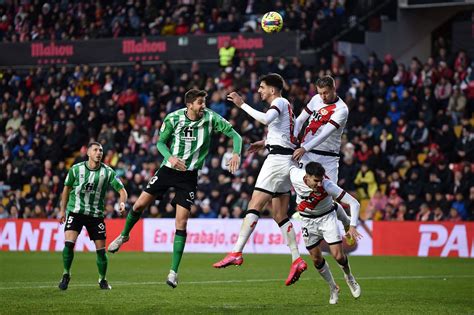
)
(51, 50)
(240, 42)
(144, 46)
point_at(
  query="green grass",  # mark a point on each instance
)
(28, 284)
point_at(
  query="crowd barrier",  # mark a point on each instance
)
(218, 236)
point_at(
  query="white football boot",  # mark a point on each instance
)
(172, 280)
(353, 286)
(334, 295)
(119, 241)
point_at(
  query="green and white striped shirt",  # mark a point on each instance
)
(189, 139)
(89, 188)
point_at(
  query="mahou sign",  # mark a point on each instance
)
(202, 47)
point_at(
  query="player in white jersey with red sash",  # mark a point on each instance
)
(321, 140)
(273, 182)
(315, 198)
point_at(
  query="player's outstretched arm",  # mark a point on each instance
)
(354, 206)
(299, 122)
(326, 131)
(256, 146)
(264, 118)
(220, 124)
(234, 162)
(341, 196)
(62, 206)
(123, 200)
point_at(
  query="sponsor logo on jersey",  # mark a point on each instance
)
(188, 134)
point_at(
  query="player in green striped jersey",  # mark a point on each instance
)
(82, 204)
(184, 142)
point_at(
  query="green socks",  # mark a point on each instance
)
(68, 256)
(102, 261)
(178, 249)
(132, 218)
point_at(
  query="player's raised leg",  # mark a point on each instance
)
(280, 215)
(133, 216)
(338, 253)
(256, 204)
(182, 216)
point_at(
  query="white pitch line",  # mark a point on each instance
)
(125, 283)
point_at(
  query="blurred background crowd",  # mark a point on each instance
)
(24, 21)
(408, 147)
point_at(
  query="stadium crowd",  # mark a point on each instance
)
(23, 21)
(407, 150)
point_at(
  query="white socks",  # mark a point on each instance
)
(289, 236)
(248, 225)
(325, 272)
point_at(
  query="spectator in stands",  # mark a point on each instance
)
(460, 206)
(456, 105)
(365, 182)
(38, 104)
(227, 53)
(377, 204)
(424, 214)
(437, 215)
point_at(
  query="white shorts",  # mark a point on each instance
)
(330, 164)
(314, 230)
(274, 176)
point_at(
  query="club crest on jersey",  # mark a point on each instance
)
(188, 134)
(323, 111)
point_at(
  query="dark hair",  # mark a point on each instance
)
(273, 79)
(315, 169)
(326, 81)
(93, 143)
(193, 94)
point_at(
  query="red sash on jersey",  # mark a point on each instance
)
(312, 200)
(319, 119)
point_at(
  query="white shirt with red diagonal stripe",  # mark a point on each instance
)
(321, 114)
(313, 202)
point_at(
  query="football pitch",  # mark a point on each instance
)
(398, 285)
